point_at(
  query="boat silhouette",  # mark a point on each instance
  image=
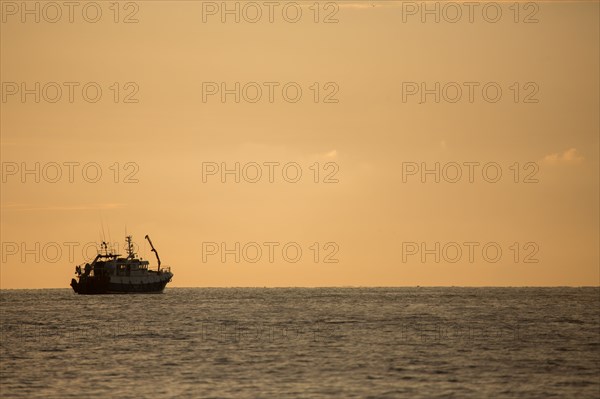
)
(111, 273)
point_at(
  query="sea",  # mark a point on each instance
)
(446, 342)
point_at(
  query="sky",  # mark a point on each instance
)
(364, 144)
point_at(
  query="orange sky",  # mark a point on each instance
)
(368, 132)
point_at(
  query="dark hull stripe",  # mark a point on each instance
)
(98, 286)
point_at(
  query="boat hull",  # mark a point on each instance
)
(103, 285)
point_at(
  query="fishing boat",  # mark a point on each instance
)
(114, 274)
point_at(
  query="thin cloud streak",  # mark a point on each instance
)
(87, 207)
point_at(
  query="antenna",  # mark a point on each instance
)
(109, 238)
(103, 234)
(103, 237)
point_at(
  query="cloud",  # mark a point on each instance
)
(331, 154)
(29, 207)
(570, 156)
(369, 4)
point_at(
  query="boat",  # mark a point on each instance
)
(114, 274)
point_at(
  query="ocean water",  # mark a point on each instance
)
(302, 343)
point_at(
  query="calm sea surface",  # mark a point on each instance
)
(308, 343)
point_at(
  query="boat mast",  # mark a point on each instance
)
(130, 253)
